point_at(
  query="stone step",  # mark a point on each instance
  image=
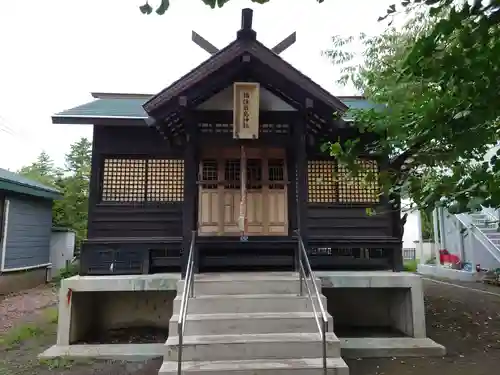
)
(478, 215)
(302, 366)
(248, 303)
(248, 323)
(263, 284)
(489, 230)
(263, 346)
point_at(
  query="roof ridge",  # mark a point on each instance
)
(19, 179)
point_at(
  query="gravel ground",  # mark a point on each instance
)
(25, 306)
(466, 321)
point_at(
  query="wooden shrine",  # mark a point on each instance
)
(230, 152)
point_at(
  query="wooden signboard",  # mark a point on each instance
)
(246, 110)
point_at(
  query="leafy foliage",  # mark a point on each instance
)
(163, 6)
(42, 170)
(68, 271)
(72, 181)
(435, 82)
(427, 225)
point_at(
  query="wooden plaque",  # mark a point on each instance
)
(246, 110)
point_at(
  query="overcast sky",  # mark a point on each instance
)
(53, 53)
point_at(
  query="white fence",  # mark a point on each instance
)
(409, 253)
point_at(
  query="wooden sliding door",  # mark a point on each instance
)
(220, 192)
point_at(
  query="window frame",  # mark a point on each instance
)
(145, 190)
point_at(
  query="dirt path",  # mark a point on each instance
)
(467, 322)
(25, 306)
(28, 324)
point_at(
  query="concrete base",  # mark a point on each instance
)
(357, 299)
(390, 301)
(381, 347)
(17, 281)
(356, 347)
(119, 352)
(446, 273)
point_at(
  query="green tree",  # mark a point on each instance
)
(436, 115)
(427, 225)
(163, 5)
(42, 170)
(72, 181)
(72, 211)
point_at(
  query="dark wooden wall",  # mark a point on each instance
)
(331, 220)
(334, 221)
(114, 220)
(143, 236)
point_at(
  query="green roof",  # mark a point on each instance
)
(356, 102)
(15, 183)
(108, 107)
(129, 107)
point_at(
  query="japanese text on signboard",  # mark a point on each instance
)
(246, 110)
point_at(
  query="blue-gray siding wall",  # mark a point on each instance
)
(29, 226)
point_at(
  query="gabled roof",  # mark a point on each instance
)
(16, 183)
(235, 52)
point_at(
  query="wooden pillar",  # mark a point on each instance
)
(190, 187)
(291, 192)
(299, 134)
(96, 176)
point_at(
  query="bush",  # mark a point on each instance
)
(68, 271)
(410, 266)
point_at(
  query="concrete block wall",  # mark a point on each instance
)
(91, 303)
(356, 300)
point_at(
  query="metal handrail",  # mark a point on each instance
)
(475, 231)
(488, 212)
(188, 291)
(303, 258)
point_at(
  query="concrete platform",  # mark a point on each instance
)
(364, 298)
(447, 273)
(120, 352)
(381, 347)
(363, 347)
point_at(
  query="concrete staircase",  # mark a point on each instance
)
(250, 324)
(487, 224)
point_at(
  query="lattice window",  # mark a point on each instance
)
(208, 128)
(232, 173)
(141, 180)
(276, 168)
(254, 174)
(209, 173)
(165, 181)
(332, 183)
(321, 181)
(359, 188)
(124, 180)
(274, 128)
(352, 253)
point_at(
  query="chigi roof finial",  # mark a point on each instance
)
(246, 32)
